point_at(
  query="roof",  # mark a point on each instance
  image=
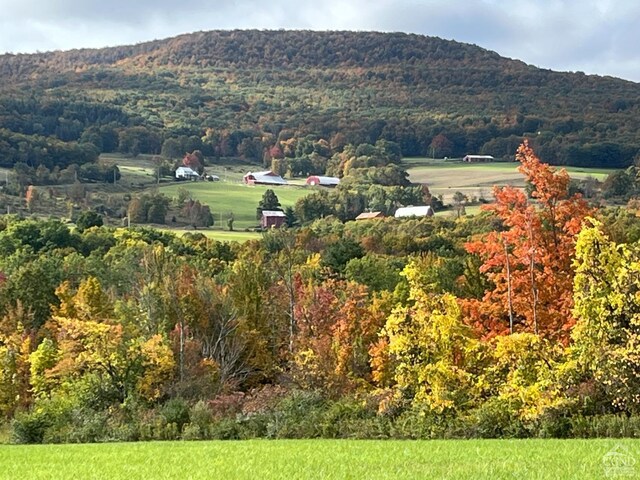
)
(266, 177)
(367, 215)
(273, 213)
(478, 156)
(186, 171)
(422, 211)
(325, 180)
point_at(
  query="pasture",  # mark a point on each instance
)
(327, 459)
(225, 198)
(477, 179)
(219, 235)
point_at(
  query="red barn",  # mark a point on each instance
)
(314, 180)
(272, 219)
(264, 178)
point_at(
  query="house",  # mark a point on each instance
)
(186, 173)
(423, 211)
(314, 180)
(264, 178)
(478, 158)
(369, 215)
(272, 219)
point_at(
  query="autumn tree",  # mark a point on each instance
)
(605, 351)
(16, 344)
(92, 344)
(32, 196)
(338, 323)
(427, 348)
(195, 161)
(440, 145)
(529, 262)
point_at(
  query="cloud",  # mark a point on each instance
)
(595, 36)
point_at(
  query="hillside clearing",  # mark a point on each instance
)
(477, 179)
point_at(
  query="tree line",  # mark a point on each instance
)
(516, 322)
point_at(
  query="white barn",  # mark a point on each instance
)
(423, 211)
(186, 173)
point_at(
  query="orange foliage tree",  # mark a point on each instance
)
(529, 262)
(337, 325)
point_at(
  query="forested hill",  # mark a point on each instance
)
(217, 90)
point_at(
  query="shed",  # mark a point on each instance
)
(478, 158)
(423, 211)
(272, 219)
(314, 180)
(264, 178)
(186, 173)
(369, 215)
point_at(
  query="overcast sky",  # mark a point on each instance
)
(593, 36)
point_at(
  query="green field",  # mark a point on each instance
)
(327, 459)
(219, 235)
(477, 179)
(225, 197)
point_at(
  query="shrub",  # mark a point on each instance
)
(297, 416)
(176, 412)
(30, 427)
(41, 423)
(495, 418)
(605, 426)
(201, 420)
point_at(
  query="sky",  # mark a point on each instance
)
(593, 36)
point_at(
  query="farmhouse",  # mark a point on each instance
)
(369, 215)
(272, 219)
(314, 180)
(424, 211)
(478, 158)
(186, 173)
(263, 178)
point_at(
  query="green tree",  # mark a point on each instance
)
(88, 219)
(269, 201)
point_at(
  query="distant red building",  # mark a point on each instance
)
(272, 219)
(263, 178)
(314, 180)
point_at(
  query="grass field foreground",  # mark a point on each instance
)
(327, 459)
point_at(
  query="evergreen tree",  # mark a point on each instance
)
(269, 202)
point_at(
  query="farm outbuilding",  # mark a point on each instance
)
(264, 178)
(272, 219)
(369, 215)
(423, 211)
(314, 180)
(186, 173)
(478, 158)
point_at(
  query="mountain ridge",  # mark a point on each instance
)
(402, 87)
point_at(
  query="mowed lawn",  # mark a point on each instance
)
(327, 459)
(225, 197)
(478, 179)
